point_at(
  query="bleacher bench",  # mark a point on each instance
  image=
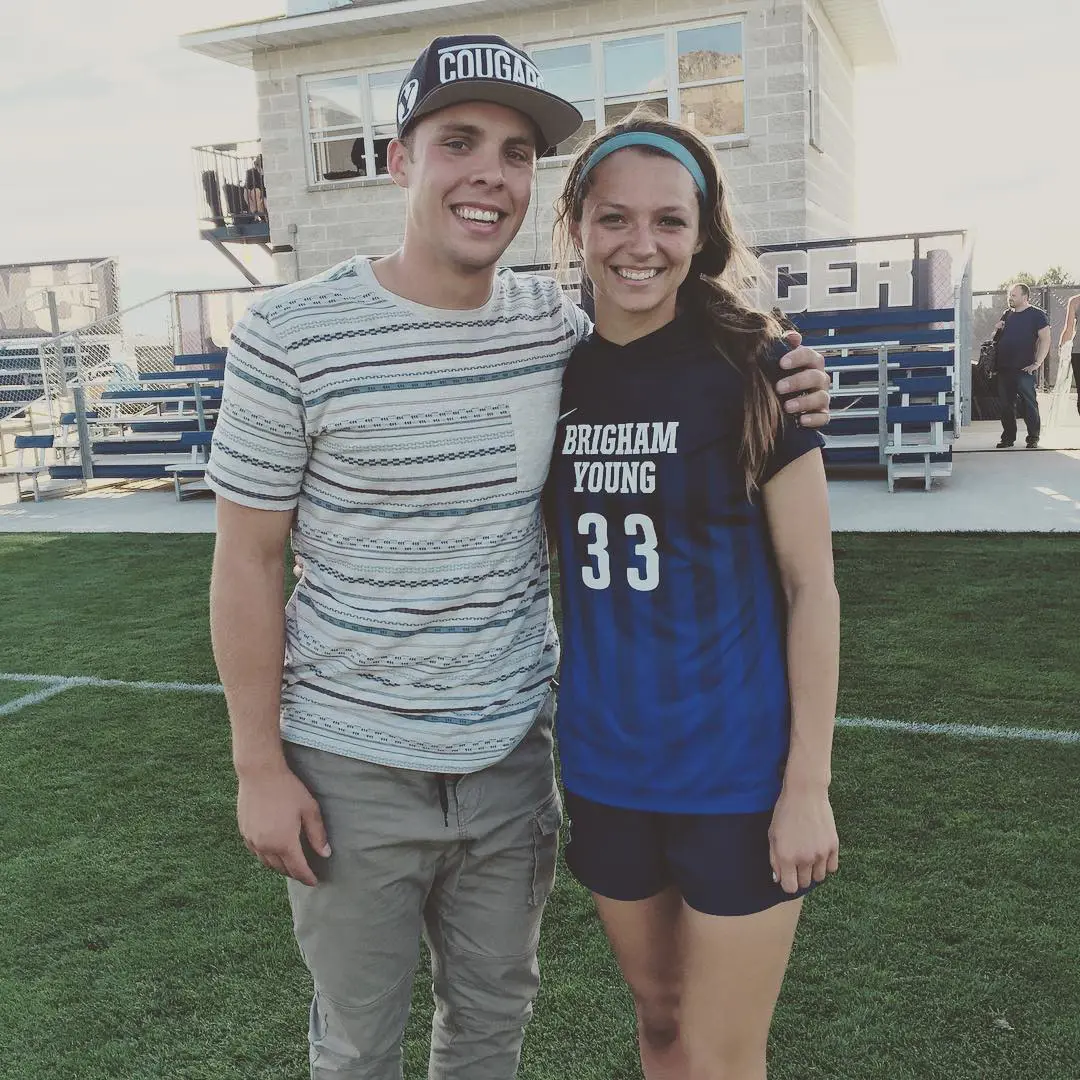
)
(194, 466)
(33, 467)
(893, 394)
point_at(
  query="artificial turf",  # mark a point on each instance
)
(140, 940)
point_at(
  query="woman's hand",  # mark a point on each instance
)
(803, 845)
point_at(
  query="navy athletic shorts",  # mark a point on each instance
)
(718, 862)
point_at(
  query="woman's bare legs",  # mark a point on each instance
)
(731, 978)
(644, 938)
(704, 986)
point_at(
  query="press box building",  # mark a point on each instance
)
(770, 82)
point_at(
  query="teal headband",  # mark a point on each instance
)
(648, 138)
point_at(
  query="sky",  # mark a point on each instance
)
(100, 108)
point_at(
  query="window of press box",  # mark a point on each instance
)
(351, 122)
(695, 74)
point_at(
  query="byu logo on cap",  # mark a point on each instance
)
(407, 100)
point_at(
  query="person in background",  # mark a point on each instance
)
(1069, 333)
(255, 188)
(1023, 343)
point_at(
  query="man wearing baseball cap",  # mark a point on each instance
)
(397, 767)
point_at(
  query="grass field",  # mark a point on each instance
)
(139, 939)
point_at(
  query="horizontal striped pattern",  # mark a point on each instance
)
(413, 444)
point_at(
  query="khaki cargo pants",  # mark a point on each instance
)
(468, 863)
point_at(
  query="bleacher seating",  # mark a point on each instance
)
(159, 428)
(194, 469)
(30, 452)
(894, 399)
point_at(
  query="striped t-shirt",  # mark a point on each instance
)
(413, 443)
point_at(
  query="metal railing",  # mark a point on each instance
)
(110, 354)
(230, 186)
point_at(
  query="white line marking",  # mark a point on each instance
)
(55, 684)
(963, 731)
(66, 682)
(9, 708)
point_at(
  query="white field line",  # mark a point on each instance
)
(963, 731)
(9, 708)
(68, 682)
(56, 684)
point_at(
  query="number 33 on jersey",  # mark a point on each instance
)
(598, 574)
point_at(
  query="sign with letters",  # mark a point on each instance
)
(913, 271)
(836, 279)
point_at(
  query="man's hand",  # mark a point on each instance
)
(272, 809)
(811, 383)
(1032, 369)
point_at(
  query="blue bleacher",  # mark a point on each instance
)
(190, 360)
(917, 401)
(178, 394)
(186, 375)
(160, 427)
(150, 427)
(902, 417)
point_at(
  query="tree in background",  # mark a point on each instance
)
(1055, 275)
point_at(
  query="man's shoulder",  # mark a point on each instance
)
(525, 284)
(536, 296)
(542, 288)
(311, 293)
(1030, 315)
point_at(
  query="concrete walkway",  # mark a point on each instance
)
(998, 491)
(1007, 491)
(140, 506)
(1015, 490)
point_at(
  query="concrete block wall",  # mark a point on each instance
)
(830, 165)
(780, 192)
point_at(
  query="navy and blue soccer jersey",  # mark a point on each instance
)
(673, 692)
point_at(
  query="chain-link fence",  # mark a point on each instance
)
(119, 352)
(125, 350)
(72, 373)
(204, 318)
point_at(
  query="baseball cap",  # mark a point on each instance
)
(482, 67)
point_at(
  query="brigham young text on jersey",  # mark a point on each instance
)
(625, 440)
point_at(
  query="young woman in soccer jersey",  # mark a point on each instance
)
(701, 622)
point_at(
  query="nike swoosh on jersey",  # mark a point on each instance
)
(566, 414)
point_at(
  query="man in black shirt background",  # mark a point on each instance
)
(1023, 343)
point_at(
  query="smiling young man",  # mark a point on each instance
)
(392, 728)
